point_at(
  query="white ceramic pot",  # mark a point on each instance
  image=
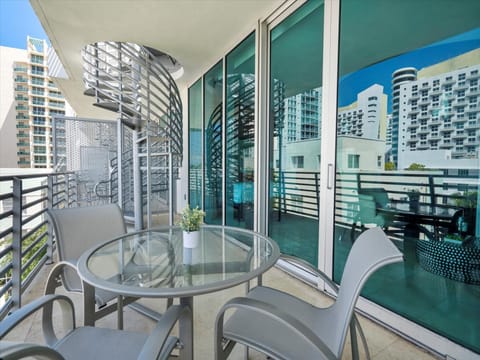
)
(191, 239)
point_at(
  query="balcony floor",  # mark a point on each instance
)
(383, 344)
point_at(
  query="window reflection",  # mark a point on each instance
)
(213, 144)
(240, 131)
(295, 103)
(195, 144)
(408, 130)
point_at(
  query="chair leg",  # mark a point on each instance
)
(88, 305)
(120, 312)
(353, 341)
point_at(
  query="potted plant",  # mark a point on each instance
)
(190, 222)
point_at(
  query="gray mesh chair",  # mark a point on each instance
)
(87, 342)
(76, 230)
(285, 327)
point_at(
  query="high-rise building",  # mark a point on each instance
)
(302, 114)
(399, 77)
(366, 117)
(439, 114)
(36, 101)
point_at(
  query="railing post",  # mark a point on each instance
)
(431, 185)
(17, 244)
(49, 225)
(317, 193)
(66, 185)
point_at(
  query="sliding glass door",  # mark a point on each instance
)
(408, 131)
(240, 132)
(213, 140)
(195, 171)
(295, 120)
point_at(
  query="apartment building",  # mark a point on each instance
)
(37, 101)
(366, 117)
(8, 114)
(302, 116)
(439, 114)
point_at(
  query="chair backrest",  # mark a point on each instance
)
(78, 229)
(371, 251)
(380, 195)
(367, 209)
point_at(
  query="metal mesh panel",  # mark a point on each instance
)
(87, 147)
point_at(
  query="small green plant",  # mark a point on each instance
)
(416, 166)
(390, 165)
(467, 200)
(191, 219)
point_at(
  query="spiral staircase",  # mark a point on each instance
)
(133, 81)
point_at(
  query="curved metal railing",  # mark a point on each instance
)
(130, 79)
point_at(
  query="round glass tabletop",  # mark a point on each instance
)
(160, 263)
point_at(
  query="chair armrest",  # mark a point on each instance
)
(45, 303)
(53, 280)
(15, 351)
(274, 313)
(354, 323)
(155, 344)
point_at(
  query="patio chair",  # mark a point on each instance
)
(369, 201)
(76, 230)
(87, 342)
(285, 327)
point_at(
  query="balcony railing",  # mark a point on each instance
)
(26, 241)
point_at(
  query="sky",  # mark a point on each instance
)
(17, 20)
(381, 73)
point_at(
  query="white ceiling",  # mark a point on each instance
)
(195, 32)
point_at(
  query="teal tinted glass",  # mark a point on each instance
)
(195, 144)
(408, 125)
(240, 131)
(213, 115)
(295, 110)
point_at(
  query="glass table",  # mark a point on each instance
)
(436, 216)
(155, 263)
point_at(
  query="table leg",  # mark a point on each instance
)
(186, 330)
(88, 305)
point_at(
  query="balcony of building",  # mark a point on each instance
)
(22, 284)
(258, 40)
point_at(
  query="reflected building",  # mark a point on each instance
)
(299, 148)
(438, 114)
(365, 118)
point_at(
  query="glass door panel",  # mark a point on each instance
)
(213, 149)
(295, 110)
(408, 130)
(195, 145)
(240, 131)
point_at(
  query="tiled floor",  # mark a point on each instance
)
(383, 344)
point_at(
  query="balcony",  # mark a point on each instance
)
(65, 191)
(42, 250)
